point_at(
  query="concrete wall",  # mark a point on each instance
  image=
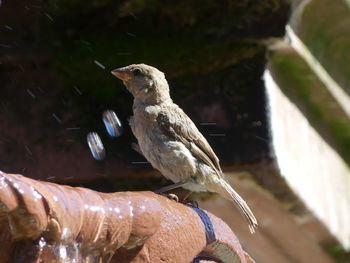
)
(312, 167)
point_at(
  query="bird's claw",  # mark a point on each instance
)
(173, 197)
(192, 203)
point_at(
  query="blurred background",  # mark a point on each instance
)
(267, 82)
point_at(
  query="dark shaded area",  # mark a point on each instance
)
(55, 81)
(339, 254)
(25, 251)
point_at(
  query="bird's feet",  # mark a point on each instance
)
(173, 197)
(189, 202)
(192, 203)
(185, 201)
(170, 187)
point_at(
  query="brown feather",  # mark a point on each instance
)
(177, 125)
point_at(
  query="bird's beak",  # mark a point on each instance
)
(121, 73)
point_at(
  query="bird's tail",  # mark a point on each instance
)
(224, 189)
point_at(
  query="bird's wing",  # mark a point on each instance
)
(178, 126)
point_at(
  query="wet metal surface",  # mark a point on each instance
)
(56, 223)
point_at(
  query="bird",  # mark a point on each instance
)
(170, 140)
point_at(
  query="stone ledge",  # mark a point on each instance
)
(303, 88)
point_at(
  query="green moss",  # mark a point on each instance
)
(298, 81)
(325, 29)
(339, 254)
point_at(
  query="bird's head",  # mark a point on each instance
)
(146, 83)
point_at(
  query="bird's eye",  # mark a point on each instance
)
(137, 72)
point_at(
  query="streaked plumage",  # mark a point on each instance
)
(169, 139)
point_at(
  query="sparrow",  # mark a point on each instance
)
(170, 141)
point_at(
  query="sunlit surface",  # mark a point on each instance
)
(312, 168)
(68, 253)
(337, 92)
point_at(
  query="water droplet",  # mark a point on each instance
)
(112, 123)
(85, 42)
(63, 252)
(3, 184)
(31, 93)
(49, 17)
(217, 134)
(124, 53)
(41, 90)
(5, 46)
(77, 90)
(37, 195)
(140, 162)
(6, 26)
(56, 118)
(99, 64)
(28, 150)
(94, 208)
(96, 147)
(208, 124)
(42, 243)
(133, 15)
(256, 123)
(64, 233)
